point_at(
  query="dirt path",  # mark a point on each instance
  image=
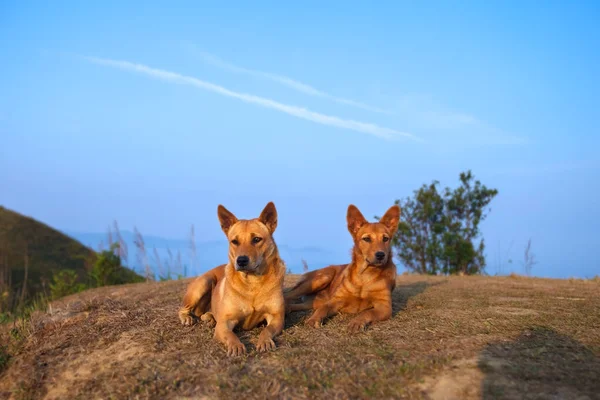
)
(449, 338)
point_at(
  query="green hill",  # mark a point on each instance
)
(44, 250)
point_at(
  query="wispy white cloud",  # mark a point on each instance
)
(299, 112)
(283, 80)
(424, 108)
(421, 112)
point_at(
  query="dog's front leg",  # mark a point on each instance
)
(273, 328)
(224, 334)
(380, 312)
(316, 319)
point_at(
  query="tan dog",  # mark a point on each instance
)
(245, 291)
(364, 286)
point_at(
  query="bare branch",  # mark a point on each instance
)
(123, 252)
(304, 266)
(142, 255)
(193, 254)
(528, 259)
(24, 289)
(159, 267)
(110, 238)
(179, 266)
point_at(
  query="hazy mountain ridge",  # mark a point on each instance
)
(208, 253)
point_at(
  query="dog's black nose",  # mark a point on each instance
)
(243, 261)
(380, 255)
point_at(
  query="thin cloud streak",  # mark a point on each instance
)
(299, 112)
(289, 82)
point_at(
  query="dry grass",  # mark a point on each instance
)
(457, 337)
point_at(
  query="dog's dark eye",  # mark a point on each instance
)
(256, 239)
(235, 242)
(367, 239)
(385, 238)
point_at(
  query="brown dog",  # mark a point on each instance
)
(245, 291)
(364, 286)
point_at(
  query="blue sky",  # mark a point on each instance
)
(153, 114)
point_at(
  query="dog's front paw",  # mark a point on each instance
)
(357, 325)
(209, 318)
(314, 322)
(186, 318)
(235, 349)
(265, 345)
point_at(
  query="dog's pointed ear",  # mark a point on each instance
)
(391, 218)
(355, 219)
(226, 218)
(268, 216)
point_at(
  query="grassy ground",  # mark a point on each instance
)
(456, 337)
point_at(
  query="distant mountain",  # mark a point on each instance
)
(208, 254)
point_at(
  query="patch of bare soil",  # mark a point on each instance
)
(449, 338)
(461, 380)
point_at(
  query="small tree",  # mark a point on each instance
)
(65, 282)
(465, 208)
(420, 232)
(438, 232)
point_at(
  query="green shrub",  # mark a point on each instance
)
(65, 282)
(108, 270)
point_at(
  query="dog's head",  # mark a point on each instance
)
(372, 241)
(250, 241)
